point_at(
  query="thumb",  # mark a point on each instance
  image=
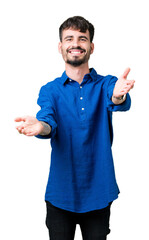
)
(20, 119)
(126, 72)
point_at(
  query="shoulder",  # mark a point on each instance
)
(51, 84)
(105, 79)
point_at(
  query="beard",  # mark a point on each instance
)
(76, 60)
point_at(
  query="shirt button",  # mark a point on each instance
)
(80, 86)
(70, 80)
(82, 109)
(81, 98)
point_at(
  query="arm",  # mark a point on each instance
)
(47, 112)
(32, 127)
(122, 87)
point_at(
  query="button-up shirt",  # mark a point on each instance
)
(82, 176)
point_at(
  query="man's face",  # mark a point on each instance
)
(75, 47)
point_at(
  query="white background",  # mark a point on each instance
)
(28, 59)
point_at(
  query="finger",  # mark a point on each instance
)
(129, 83)
(131, 86)
(23, 125)
(29, 131)
(20, 119)
(126, 72)
(25, 130)
(30, 134)
(133, 82)
(19, 129)
(127, 89)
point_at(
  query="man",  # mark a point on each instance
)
(76, 114)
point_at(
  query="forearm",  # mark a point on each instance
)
(46, 129)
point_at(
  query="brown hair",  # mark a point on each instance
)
(77, 23)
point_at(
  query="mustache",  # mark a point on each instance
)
(76, 48)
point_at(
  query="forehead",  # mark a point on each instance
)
(74, 33)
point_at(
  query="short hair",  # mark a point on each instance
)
(77, 23)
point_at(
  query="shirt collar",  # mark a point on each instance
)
(92, 75)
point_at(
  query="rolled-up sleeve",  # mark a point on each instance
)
(125, 106)
(47, 112)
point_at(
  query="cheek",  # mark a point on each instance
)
(64, 54)
(89, 51)
(65, 48)
(62, 48)
(63, 51)
(88, 48)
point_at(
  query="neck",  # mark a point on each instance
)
(77, 73)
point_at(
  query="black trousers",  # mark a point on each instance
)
(61, 224)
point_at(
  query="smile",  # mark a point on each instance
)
(76, 51)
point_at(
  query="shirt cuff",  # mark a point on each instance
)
(53, 126)
(124, 106)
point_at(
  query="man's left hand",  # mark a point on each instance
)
(123, 86)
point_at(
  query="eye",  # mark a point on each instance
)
(68, 39)
(83, 39)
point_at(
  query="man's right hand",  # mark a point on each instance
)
(30, 126)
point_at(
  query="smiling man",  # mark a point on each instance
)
(76, 114)
(78, 53)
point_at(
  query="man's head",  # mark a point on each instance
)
(77, 23)
(76, 36)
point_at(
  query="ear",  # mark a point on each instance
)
(59, 47)
(92, 48)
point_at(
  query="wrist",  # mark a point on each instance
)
(118, 100)
(45, 128)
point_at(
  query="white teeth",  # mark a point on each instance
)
(75, 52)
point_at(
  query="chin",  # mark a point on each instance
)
(75, 63)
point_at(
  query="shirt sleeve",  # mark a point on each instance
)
(47, 112)
(125, 106)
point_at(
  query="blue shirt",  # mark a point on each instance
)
(82, 176)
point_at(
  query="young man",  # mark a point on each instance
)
(76, 113)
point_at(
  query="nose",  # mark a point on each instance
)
(75, 42)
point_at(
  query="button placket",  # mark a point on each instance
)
(82, 107)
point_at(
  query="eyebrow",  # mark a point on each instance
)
(83, 37)
(68, 37)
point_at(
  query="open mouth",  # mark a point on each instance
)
(76, 51)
